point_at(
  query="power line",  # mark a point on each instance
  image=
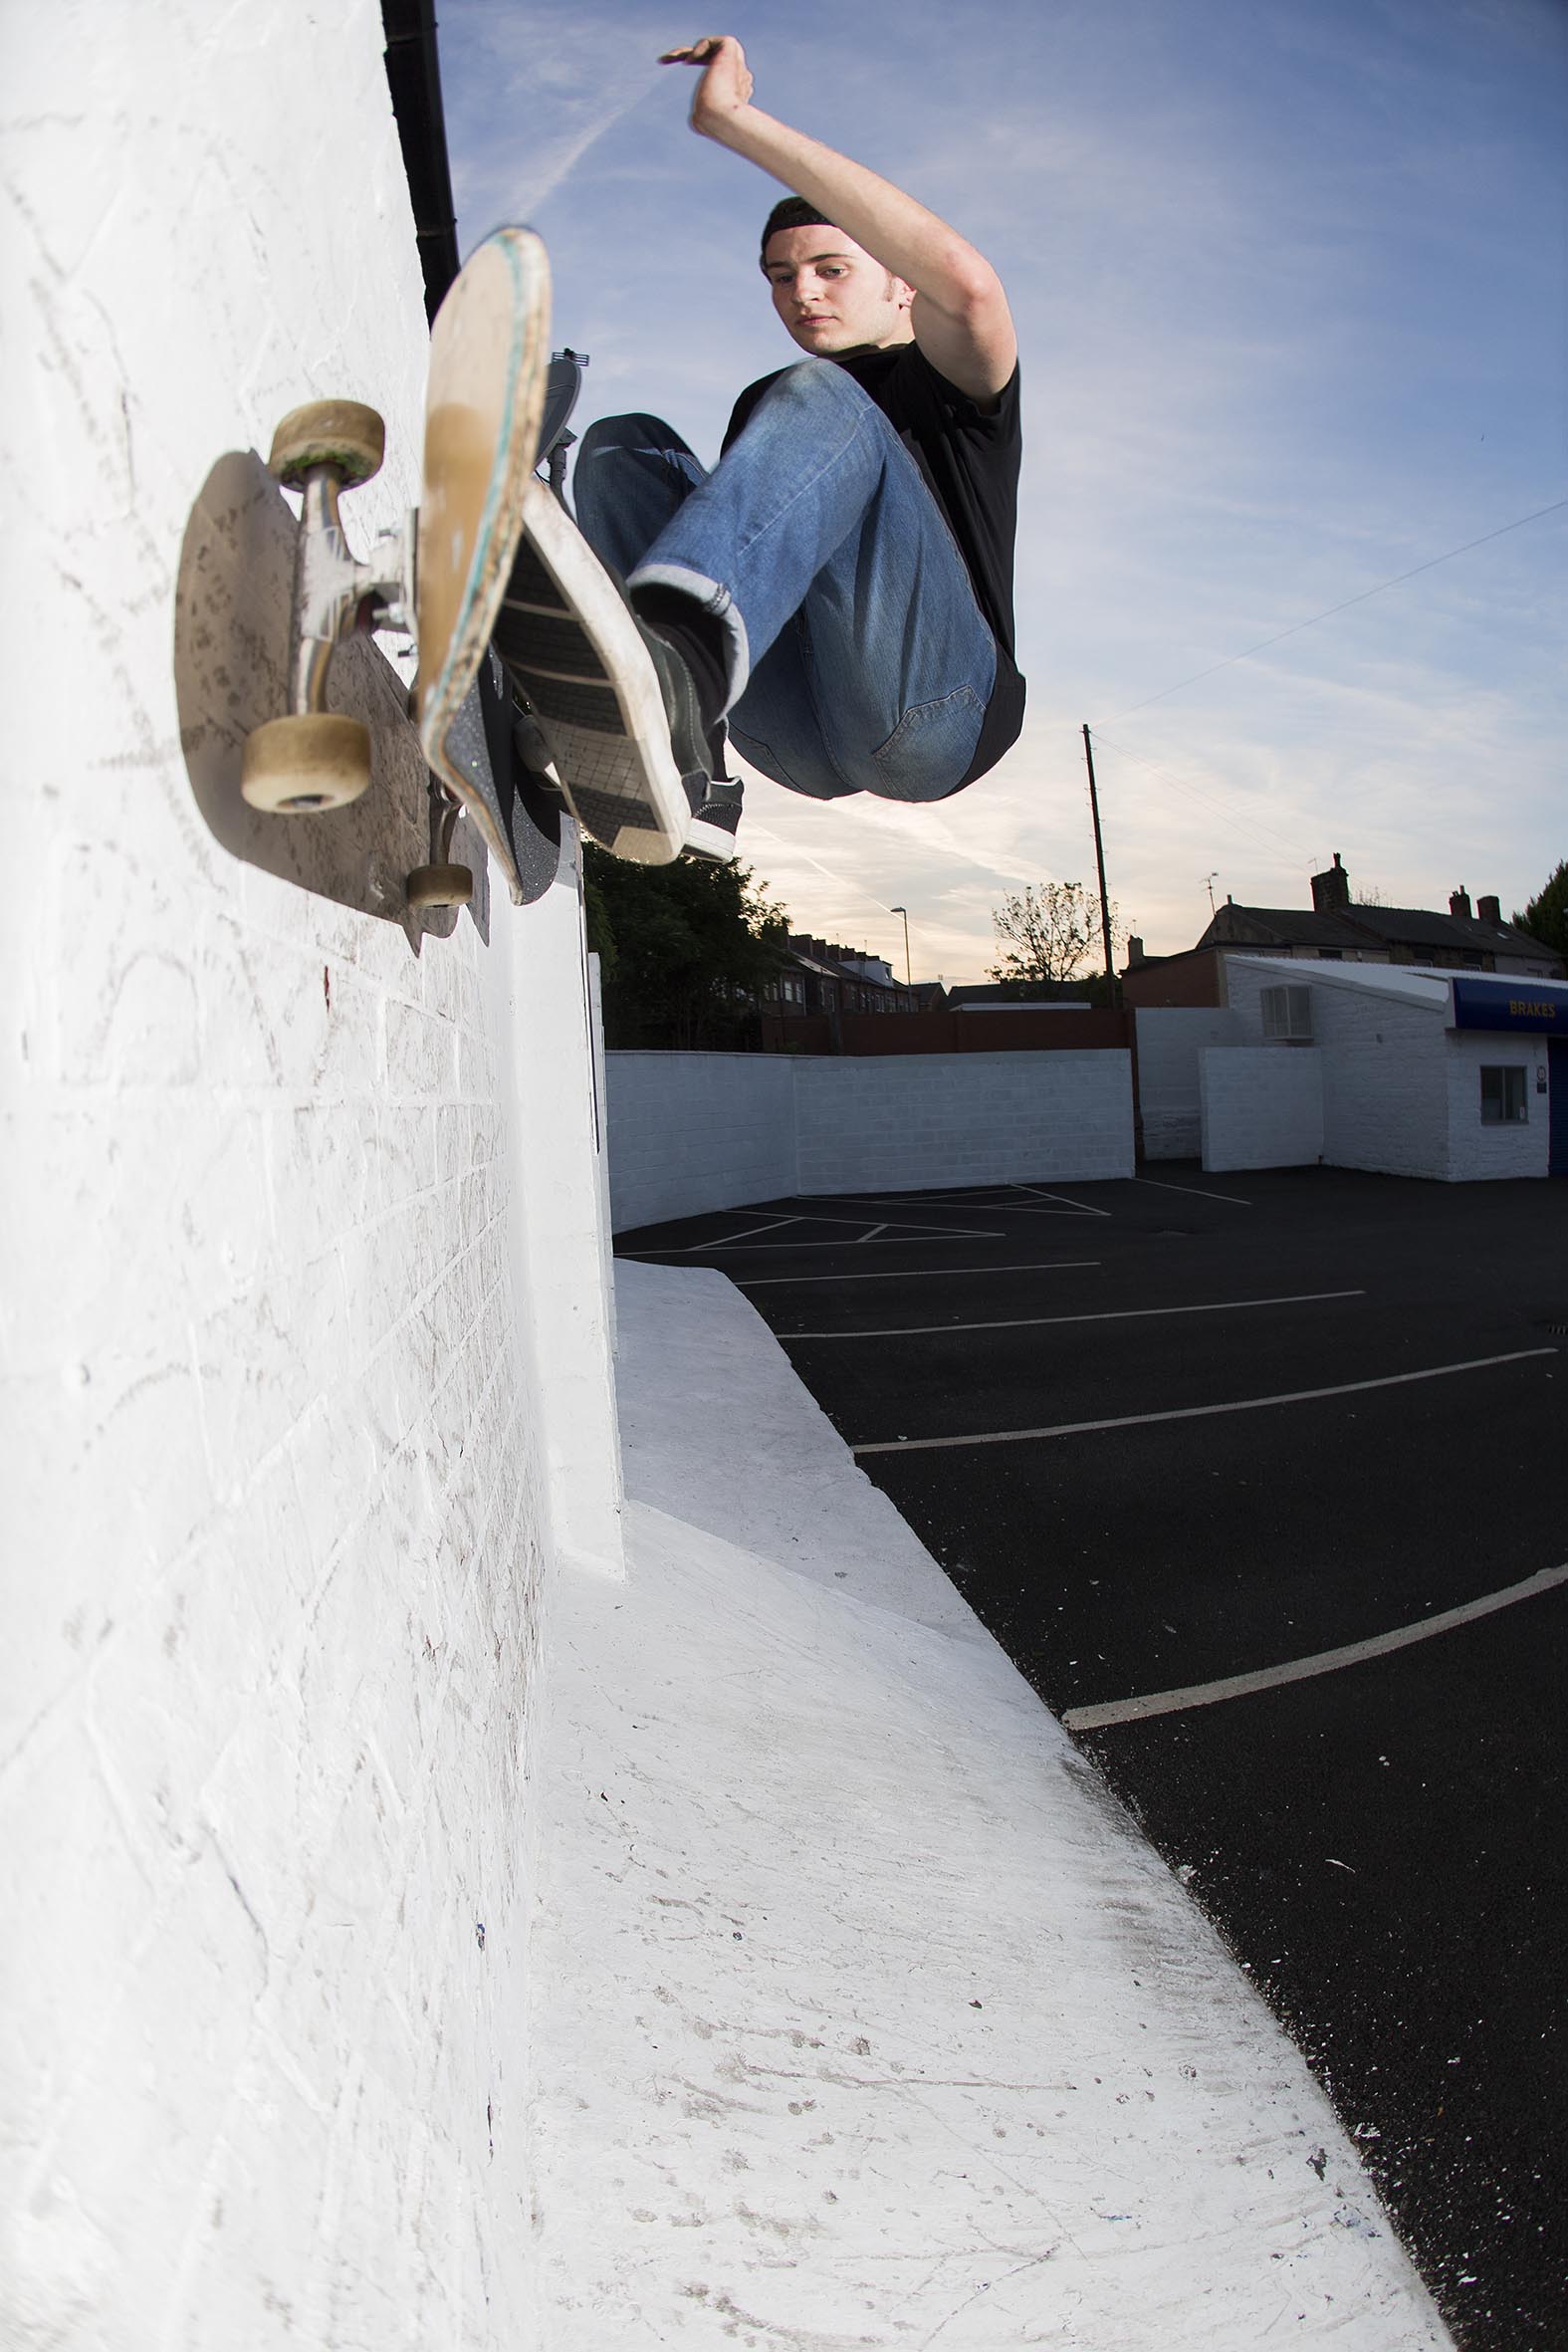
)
(1275, 843)
(1297, 626)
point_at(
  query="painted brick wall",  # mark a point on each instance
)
(1383, 1096)
(1169, 1042)
(1479, 1151)
(1385, 1104)
(284, 1470)
(907, 1122)
(1261, 1107)
(696, 1132)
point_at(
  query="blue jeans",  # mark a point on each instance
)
(859, 661)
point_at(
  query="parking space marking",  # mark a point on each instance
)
(1114, 1314)
(1246, 1404)
(722, 1245)
(988, 1196)
(994, 1196)
(919, 1274)
(1269, 1678)
(905, 1238)
(682, 1249)
(1231, 1200)
(1081, 1207)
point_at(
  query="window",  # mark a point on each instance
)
(1502, 1095)
(1287, 1014)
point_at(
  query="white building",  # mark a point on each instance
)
(1405, 1073)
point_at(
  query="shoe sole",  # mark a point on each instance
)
(567, 638)
(710, 840)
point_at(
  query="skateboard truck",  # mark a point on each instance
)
(441, 883)
(311, 758)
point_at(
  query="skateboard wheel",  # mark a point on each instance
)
(294, 766)
(440, 886)
(344, 434)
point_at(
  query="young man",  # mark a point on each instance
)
(838, 591)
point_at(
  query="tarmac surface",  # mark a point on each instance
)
(1303, 1435)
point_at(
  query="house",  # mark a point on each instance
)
(819, 978)
(1336, 930)
(1399, 1068)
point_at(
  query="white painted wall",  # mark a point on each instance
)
(1384, 1100)
(1385, 1065)
(1261, 1107)
(690, 1132)
(905, 1121)
(286, 1473)
(1476, 1151)
(1170, 1039)
(697, 1131)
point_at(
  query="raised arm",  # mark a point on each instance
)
(960, 314)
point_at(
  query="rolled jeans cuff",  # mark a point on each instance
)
(713, 598)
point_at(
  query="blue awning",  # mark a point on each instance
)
(1540, 1005)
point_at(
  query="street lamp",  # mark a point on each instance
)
(904, 911)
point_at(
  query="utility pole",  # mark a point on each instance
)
(904, 911)
(1099, 863)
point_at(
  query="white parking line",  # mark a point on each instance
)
(1246, 1404)
(919, 1274)
(988, 1196)
(1040, 1194)
(907, 1239)
(1269, 1678)
(684, 1248)
(1113, 1314)
(1232, 1199)
(1039, 1209)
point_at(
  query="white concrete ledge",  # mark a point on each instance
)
(862, 2015)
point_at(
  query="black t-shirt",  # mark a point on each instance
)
(968, 459)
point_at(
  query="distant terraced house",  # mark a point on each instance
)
(1336, 930)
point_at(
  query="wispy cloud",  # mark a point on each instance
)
(537, 90)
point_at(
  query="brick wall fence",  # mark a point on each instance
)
(1021, 1032)
(696, 1132)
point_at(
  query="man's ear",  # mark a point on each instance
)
(904, 293)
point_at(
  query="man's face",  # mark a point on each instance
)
(831, 295)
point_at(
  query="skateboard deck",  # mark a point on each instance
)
(440, 579)
(572, 650)
(489, 364)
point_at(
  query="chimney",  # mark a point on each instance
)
(1134, 951)
(1331, 890)
(1460, 903)
(1489, 910)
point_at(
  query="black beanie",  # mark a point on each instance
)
(792, 212)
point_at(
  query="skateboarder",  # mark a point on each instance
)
(838, 591)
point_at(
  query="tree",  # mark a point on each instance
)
(1048, 932)
(1546, 916)
(685, 950)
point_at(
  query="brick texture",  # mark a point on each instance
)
(280, 1517)
(696, 1132)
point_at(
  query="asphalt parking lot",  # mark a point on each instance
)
(1262, 1480)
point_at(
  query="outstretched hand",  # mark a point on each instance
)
(725, 86)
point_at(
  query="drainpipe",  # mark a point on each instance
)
(414, 73)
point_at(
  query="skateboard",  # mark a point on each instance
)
(577, 660)
(440, 578)
(232, 655)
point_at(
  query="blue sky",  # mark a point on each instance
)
(1292, 286)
